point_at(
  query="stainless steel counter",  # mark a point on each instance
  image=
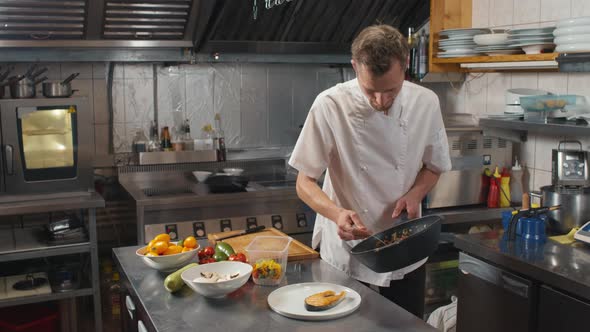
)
(247, 308)
(40, 205)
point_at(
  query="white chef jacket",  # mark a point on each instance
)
(372, 160)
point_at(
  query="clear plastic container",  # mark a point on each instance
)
(268, 256)
(538, 108)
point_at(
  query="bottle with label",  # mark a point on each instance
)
(166, 139)
(219, 139)
(140, 142)
(423, 54)
(154, 141)
(516, 188)
(115, 296)
(505, 199)
(186, 136)
(494, 193)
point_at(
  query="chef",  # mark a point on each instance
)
(382, 143)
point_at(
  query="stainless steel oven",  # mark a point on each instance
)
(47, 146)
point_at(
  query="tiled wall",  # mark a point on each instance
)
(484, 93)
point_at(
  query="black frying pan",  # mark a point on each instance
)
(422, 241)
(226, 183)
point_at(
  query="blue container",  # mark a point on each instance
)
(506, 216)
(533, 228)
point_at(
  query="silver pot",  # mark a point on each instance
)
(24, 88)
(59, 89)
(575, 207)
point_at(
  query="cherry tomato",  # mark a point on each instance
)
(211, 260)
(209, 251)
(202, 254)
(233, 257)
(241, 257)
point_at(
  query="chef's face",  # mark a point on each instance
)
(380, 90)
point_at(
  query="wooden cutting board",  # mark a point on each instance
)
(297, 250)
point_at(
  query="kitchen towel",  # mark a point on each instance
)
(444, 318)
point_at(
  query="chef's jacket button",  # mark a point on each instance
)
(364, 168)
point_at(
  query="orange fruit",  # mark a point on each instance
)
(185, 249)
(173, 250)
(153, 254)
(151, 244)
(190, 242)
(159, 247)
(162, 237)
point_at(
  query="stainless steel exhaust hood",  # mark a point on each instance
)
(185, 30)
(300, 26)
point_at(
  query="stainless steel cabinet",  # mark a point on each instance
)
(561, 312)
(492, 299)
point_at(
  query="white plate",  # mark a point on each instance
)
(502, 52)
(573, 22)
(572, 31)
(526, 43)
(289, 301)
(573, 39)
(491, 39)
(471, 31)
(452, 48)
(457, 55)
(533, 35)
(531, 30)
(585, 47)
(458, 50)
(457, 39)
(531, 40)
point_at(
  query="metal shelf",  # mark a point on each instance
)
(559, 128)
(37, 204)
(46, 297)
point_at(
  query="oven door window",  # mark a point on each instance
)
(48, 142)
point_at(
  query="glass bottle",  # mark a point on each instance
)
(166, 140)
(188, 140)
(423, 53)
(411, 56)
(207, 138)
(115, 295)
(140, 142)
(219, 139)
(154, 142)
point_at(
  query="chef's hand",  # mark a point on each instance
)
(408, 202)
(350, 226)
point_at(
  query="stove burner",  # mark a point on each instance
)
(29, 283)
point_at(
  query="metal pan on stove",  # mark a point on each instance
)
(227, 183)
(421, 242)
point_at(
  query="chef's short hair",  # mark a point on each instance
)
(376, 46)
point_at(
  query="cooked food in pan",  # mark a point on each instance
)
(394, 238)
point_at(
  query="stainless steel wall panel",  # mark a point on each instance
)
(254, 106)
(226, 97)
(304, 92)
(281, 128)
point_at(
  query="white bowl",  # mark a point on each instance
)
(217, 289)
(513, 109)
(512, 96)
(573, 39)
(491, 39)
(573, 22)
(169, 262)
(201, 175)
(233, 171)
(536, 48)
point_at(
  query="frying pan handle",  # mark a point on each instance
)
(40, 80)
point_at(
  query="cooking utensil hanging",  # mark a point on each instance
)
(420, 241)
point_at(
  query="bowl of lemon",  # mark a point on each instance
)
(165, 255)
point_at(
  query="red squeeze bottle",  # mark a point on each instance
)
(485, 185)
(494, 193)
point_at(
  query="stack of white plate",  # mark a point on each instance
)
(455, 43)
(573, 35)
(495, 44)
(532, 40)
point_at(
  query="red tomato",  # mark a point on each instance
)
(209, 251)
(241, 257)
(232, 257)
(202, 254)
(211, 260)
